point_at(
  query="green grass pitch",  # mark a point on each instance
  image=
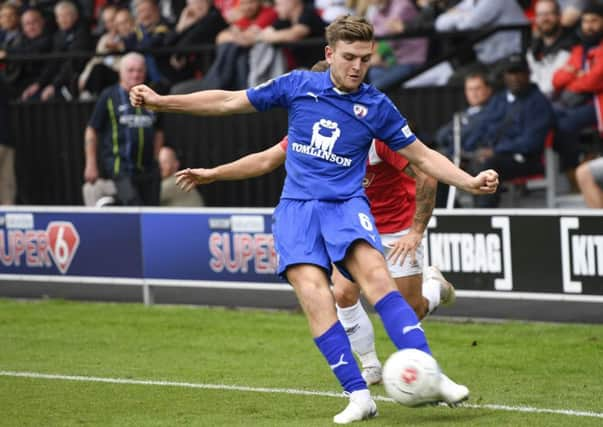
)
(531, 365)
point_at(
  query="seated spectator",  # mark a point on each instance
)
(127, 138)
(171, 194)
(579, 89)
(59, 76)
(101, 71)
(479, 14)
(151, 30)
(199, 23)
(296, 21)
(9, 25)
(125, 27)
(230, 69)
(478, 93)
(514, 129)
(32, 40)
(550, 47)
(589, 176)
(395, 59)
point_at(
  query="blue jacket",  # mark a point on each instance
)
(518, 126)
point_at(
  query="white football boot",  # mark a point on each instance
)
(361, 407)
(452, 393)
(372, 375)
(447, 292)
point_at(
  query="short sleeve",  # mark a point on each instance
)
(393, 128)
(390, 157)
(273, 93)
(284, 142)
(99, 115)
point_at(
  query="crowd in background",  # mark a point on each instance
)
(517, 99)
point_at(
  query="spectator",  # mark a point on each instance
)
(230, 69)
(101, 71)
(478, 14)
(395, 59)
(151, 30)
(579, 89)
(125, 27)
(296, 21)
(171, 194)
(590, 181)
(129, 139)
(478, 93)
(58, 75)
(32, 40)
(550, 45)
(8, 183)
(199, 23)
(9, 25)
(514, 128)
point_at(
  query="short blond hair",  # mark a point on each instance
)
(349, 29)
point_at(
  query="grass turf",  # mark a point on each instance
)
(553, 366)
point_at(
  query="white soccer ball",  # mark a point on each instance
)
(411, 377)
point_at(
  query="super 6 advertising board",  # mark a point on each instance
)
(62, 243)
(220, 246)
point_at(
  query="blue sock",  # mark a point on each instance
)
(335, 347)
(401, 322)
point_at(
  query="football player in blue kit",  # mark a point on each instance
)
(323, 216)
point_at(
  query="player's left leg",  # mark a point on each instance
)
(366, 265)
(347, 228)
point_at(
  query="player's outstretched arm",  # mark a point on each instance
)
(203, 103)
(426, 187)
(433, 163)
(250, 166)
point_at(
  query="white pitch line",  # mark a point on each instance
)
(109, 380)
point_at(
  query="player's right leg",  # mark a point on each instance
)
(304, 262)
(357, 326)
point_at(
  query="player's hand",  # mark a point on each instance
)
(188, 178)
(144, 96)
(485, 183)
(405, 246)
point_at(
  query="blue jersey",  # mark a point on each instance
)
(330, 132)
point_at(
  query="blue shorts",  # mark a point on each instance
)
(321, 232)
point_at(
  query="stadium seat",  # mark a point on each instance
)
(546, 181)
